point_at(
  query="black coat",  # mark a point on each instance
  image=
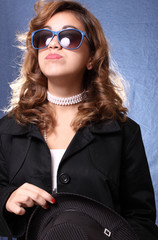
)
(105, 161)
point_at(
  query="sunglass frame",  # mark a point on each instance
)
(56, 33)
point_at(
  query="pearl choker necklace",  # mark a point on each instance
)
(65, 101)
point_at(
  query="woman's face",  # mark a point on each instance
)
(64, 65)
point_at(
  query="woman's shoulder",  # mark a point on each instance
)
(126, 129)
(117, 125)
(131, 131)
(129, 125)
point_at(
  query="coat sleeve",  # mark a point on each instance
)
(10, 224)
(137, 194)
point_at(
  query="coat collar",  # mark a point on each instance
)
(83, 137)
(11, 127)
(86, 135)
(106, 126)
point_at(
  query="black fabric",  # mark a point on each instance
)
(77, 217)
(104, 161)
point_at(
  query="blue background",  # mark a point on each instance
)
(131, 27)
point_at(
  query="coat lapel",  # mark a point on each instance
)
(81, 139)
(18, 153)
(86, 135)
(17, 146)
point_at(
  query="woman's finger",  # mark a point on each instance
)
(40, 192)
(18, 210)
(26, 196)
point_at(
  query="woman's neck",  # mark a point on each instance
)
(67, 89)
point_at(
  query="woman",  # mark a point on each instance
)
(85, 144)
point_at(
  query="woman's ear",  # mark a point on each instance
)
(89, 64)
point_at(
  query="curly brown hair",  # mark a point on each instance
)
(29, 92)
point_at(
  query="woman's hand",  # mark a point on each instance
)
(26, 196)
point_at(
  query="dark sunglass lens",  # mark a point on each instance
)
(70, 38)
(42, 38)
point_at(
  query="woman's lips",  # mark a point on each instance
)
(53, 56)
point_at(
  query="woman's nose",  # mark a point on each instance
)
(54, 43)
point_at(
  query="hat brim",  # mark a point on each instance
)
(74, 217)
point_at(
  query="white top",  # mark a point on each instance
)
(56, 156)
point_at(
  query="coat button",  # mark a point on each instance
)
(64, 178)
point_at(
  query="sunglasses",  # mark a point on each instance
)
(67, 38)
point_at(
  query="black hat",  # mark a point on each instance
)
(74, 217)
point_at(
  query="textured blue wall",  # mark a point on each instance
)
(132, 30)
